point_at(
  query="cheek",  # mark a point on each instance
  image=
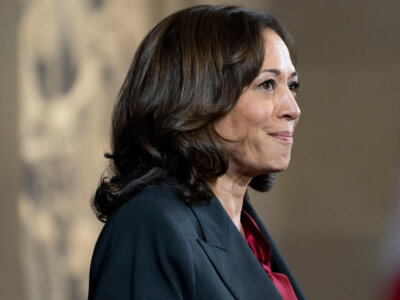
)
(248, 121)
(243, 120)
(227, 127)
(258, 116)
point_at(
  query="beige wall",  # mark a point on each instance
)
(334, 199)
(10, 275)
(328, 211)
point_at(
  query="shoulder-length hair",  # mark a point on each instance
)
(189, 71)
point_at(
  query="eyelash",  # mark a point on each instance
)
(293, 87)
(270, 83)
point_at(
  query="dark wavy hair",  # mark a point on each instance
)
(189, 71)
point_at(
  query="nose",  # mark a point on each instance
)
(288, 108)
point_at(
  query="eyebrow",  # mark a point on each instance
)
(277, 72)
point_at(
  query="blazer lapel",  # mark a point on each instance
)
(278, 263)
(230, 255)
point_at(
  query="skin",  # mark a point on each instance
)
(259, 128)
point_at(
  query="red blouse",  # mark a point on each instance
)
(261, 249)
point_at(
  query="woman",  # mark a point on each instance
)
(207, 109)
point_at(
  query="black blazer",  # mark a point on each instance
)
(155, 246)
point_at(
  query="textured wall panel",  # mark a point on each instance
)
(73, 56)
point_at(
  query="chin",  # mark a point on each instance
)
(267, 170)
(261, 167)
(278, 166)
(281, 169)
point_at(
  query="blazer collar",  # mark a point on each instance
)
(278, 263)
(230, 255)
(214, 222)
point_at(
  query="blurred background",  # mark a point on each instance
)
(335, 212)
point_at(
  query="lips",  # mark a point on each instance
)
(286, 136)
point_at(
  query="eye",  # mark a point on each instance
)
(268, 85)
(293, 87)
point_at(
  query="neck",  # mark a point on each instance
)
(230, 190)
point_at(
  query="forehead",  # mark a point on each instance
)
(276, 52)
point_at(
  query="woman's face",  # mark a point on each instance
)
(263, 120)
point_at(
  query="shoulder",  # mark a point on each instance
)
(152, 221)
(154, 208)
(147, 242)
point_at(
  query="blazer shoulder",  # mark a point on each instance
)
(146, 243)
(153, 206)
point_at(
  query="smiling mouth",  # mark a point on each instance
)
(285, 136)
